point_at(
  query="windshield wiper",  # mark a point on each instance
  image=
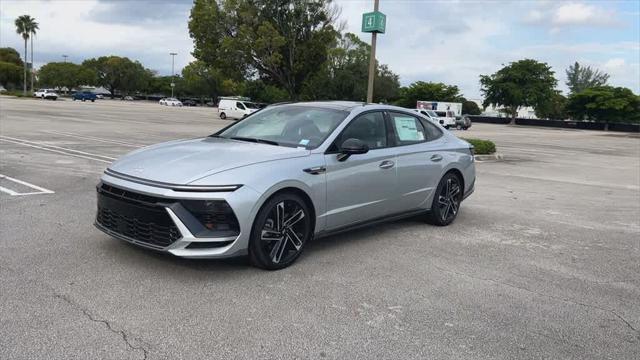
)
(255, 140)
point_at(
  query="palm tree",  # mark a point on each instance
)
(34, 29)
(24, 26)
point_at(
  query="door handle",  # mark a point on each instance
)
(387, 164)
(436, 157)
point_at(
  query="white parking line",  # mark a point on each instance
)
(40, 189)
(63, 151)
(93, 138)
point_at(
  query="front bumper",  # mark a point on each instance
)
(190, 243)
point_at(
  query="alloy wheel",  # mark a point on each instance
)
(284, 231)
(449, 199)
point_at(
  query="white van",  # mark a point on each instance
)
(235, 108)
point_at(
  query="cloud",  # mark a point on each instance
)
(573, 14)
(140, 12)
(91, 28)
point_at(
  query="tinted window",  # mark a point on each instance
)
(369, 127)
(432, 131)
(240, 106)
(407, 128)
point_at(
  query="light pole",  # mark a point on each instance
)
(65, 57)
(173, 84)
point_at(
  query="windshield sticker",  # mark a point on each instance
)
(304, 142)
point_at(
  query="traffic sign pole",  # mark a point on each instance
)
(372, 22)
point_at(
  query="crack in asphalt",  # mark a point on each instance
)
(91, 317)
(567, 300)
(88, 314)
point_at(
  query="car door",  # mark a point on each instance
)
(419, 160)
(238, 110)
(361, 187)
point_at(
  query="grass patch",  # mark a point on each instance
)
(482, 147)
(16, 93)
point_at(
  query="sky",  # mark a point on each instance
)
(451, 41)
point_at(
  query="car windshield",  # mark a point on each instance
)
(287, 125)
(432, 113)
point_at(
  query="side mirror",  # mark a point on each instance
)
(352, 147)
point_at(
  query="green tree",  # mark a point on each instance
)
(580, 78)
(119, 74)
(201, 79)
(470, 108)
(10, 75)
(260, 91)
(605, 103)
(283, 42)
(68, 75)
(344, 74)
(522, 83)
(386, 86)
(425, 91)
(10, 68)
(10, 55)
(555, 108)
(25, 27)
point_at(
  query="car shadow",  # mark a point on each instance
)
(355, 236)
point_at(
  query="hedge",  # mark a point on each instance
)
(482, 147)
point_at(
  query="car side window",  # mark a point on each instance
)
(408, 129)
(240, 106)
(369, 127)
(432, 131)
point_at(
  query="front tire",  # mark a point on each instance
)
(446, 201)
(223, 116)
(280, 231)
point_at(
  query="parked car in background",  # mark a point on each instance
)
(463, 122)
(190, 102)
(49, 94)
(99, 96)
(268, 184)
(170, 102)
(236, 109)
(128, 98)
(429, 114)
(84, 96)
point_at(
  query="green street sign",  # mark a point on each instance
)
(374, 22)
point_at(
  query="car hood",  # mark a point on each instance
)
(185, 161)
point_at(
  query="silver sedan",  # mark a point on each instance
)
(266, 185)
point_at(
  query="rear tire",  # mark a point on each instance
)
(280, 232)
(446, 200)
(223, 116)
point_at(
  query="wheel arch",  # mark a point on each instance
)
(458, 173)
(298, 191)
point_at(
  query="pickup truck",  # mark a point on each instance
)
(84, 95)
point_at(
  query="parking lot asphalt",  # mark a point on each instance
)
(543, 261)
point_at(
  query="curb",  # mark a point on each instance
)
(491, 157)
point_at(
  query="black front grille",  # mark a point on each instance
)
(139, 217)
